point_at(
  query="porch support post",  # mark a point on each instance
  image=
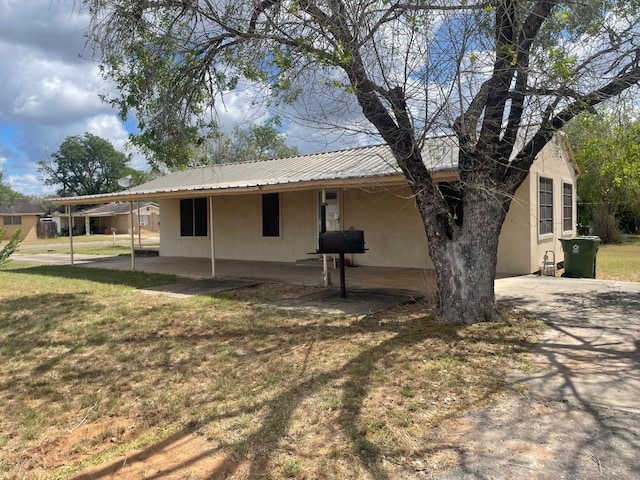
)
(70, 213)
(138, 222)
(133, 246)
(326, 279)
(212, 240)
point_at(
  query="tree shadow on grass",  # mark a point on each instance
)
(352, 379)
(355, 380)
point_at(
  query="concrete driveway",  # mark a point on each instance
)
(591, 353)
(579, 415)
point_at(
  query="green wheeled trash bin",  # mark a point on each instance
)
(580, 256)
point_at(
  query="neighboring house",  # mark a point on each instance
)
(113, 218)
(20, 214)
(269, 210)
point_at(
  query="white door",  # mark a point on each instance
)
(333, 219)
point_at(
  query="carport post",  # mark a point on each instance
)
(133, 246)
(213, 243)
(70, 213)
(138, 221)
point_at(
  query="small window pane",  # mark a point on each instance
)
(186, 217)
(200, 217)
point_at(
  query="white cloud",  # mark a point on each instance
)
(49, 91)
(29, 184)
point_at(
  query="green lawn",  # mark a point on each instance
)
(274, 393)
(89, 244)
(620, 262)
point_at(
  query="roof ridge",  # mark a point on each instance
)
(303, 155)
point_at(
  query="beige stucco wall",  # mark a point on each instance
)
(238, 229)
(514, 243)
(553, 162)
(28, 229)
(522, 248)
(393, 229)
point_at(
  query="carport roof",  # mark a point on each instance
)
(370, 164)
(109, 209)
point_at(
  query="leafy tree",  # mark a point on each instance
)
(255, 142)
(502, 76)
(7, 194)
(85, 165)
(607, 150)
(260, 142)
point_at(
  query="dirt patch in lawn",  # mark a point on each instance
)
(181, 456)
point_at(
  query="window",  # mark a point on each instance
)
(271, 215)
(193, 217)
(567, 207)
(144, 220)
(12, 220)
(546, 206)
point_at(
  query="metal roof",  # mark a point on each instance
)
(113, 208)
(371, 162)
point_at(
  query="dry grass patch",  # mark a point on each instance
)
(93, 370)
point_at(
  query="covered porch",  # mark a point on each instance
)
(412, 281)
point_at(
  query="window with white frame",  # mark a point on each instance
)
(144, 220)
(545, 202)
(567, 207)
(193, 217)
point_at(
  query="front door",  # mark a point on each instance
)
(333, 218)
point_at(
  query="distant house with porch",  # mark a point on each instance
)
(270, 210)
(113, 217)
(20, 214)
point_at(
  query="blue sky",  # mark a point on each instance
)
(50, 87)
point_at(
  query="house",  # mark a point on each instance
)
(270, 210)
(20, 214)
(113, 217)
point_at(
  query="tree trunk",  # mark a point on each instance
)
(465, 264)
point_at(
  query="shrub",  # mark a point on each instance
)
(606, 227)
(10, 247)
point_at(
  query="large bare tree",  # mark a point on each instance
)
(501, 76)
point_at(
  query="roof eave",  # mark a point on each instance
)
(445, 175)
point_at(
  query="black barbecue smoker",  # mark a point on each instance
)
(340, 242)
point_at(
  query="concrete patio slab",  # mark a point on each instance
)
(208, 286)
(411, 281)
(358, 302)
